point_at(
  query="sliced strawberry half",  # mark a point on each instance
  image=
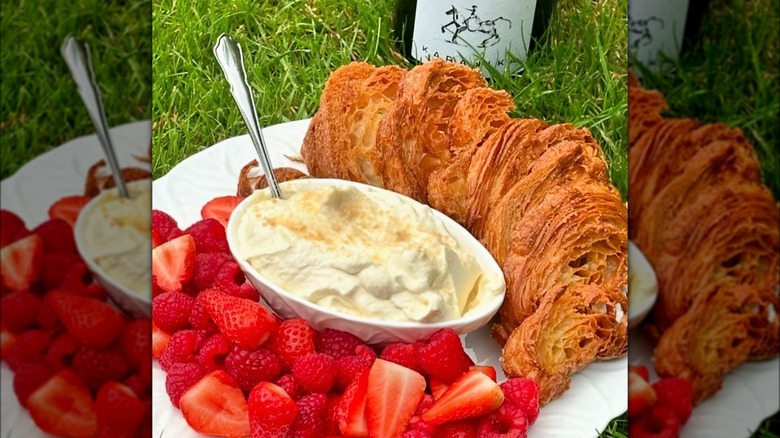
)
(471, 395)
(160, 341)
(394, 392)
(173, 263)
(20, 263)
(438, 388)
(63, 406)
(641, 395)
(486, 370)
(91, 322)
(220, 208)
(352, 407)
(271, 411)
(68, 208)
(244, 322)
(215, 406)
(641, 370)
(119, 411)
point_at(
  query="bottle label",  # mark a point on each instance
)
(656, 26)
(462, 30)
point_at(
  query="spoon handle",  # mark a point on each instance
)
(79, 60)
(231, 59)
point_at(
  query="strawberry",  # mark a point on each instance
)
(136, 341)
(11, 228)
(63, 406)
(159, 341)
(641, 396)
(293, 339)
(641, 370)
(271, 411)
(660, 421)
(245, 323)
(28, 378)
(93, 323)
(68, 208)
(524, 393)
(394, 392)
(215, 406)
(96, 367)
(57, 236)
(20, 263)
(220, 208)
(486, 370)
(157, 240)
(352, 408)
(18, 310)
(173, 263)
(119, 411)
(677, 394)
(7, 342)
(438, 388)
(472, 395)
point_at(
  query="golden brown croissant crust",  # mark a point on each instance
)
(700, 213)
(537, 196)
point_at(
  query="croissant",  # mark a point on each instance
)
(537, 196)
(702, 216)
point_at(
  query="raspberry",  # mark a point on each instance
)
(677, 394)
(213, 353)
(54, 267)
(508, 420)
(209, 236)
(78, 279)
(27, 378)
(138, 385)
(57, 236)
(230, 280)
(182, 347)
(96, 367)
(457, 429)
(312, 414)
(171, 311)
(425, 404)
(248, 292)
(248, 368)
(11, 228)
(207, 265)
(165, 226)
(415, 433)
(293, 339)
(337, 343)
(287, 382)
(523, 392)
(47, 318)
(60, 353)
(30, 347)
(403, 354)
(200, 319)
(348, 368)
(417, 423)
(443, 358)
(180, 377)
(136, 341)
(315, 372)
(18, 310)
(659, 422)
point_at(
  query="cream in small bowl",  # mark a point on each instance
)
(363, 259)
(642, 286)
(113, 236)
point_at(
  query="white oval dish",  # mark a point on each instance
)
(133, 303)
(372, 331)
(640, 304)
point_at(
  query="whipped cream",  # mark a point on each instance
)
(362, 251)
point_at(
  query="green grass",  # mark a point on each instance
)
(39, 105)
(731, 75)
(577, 75)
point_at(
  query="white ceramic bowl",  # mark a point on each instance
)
(371, 331)
(124, 297)
(640, 304)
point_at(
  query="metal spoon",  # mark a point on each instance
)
(79, 60)
(231, 59)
